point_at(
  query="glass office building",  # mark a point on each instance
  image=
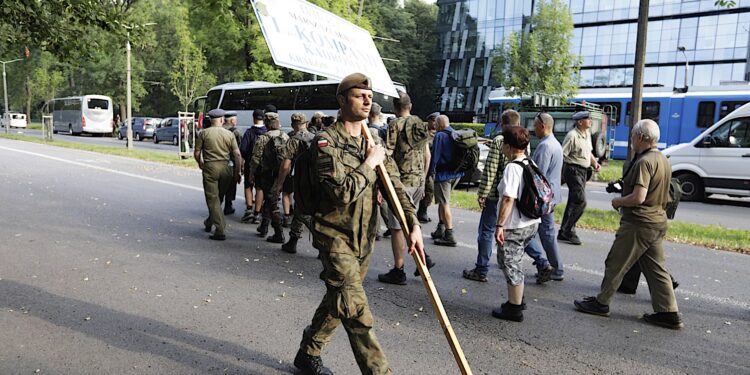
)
(715, 41)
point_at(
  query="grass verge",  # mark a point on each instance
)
(158, 157)
(610, 172)
(710, 236)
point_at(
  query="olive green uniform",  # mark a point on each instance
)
(429, 184)
(642, 229)
(294, 148)
(232, 188)
(344, 228)
(215, 144)
(268, 174)
(405, 140)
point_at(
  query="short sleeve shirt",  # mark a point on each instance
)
(511, 186)
(577, 148)
(216, 143)
(652, 171)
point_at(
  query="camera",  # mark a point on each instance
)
(614, 186)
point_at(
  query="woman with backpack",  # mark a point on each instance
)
(514, 230)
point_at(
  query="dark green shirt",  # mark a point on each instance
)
(216, 144)
(652, 171)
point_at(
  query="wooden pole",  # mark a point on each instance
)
(437, 304)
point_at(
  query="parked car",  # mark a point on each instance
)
(167, 131)
(717, 161)
(143, 127)
(13, 119)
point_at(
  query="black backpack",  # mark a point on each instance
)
(465, 151)
(248, 140)
(536, 198)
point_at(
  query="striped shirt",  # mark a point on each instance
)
(493, 170)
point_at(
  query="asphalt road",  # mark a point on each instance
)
(106, 270)
(106, 140)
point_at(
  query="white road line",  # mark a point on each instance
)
(165, 182)
(680, 291)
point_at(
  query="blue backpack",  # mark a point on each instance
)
(537, 197)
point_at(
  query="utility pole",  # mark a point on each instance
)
(640, 59)
(5, 91)
(129, 133)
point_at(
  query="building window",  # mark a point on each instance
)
(706, 112)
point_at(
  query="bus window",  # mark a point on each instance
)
(234, 100)
(316, 98)
(706, 112)
(98, 103)
(212, 99)
(649, 110)
(729, 107)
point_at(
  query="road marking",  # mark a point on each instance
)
(681, 291)
(165, 182)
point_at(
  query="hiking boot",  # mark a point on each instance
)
(544, 274)
(509, 311)
(247, 216)
(447, 239)
(387, 233)
(263, 228)
(286, 221)
(278, 236)
(310, 364)
(557, 277)
(291, 245)
(228, 209)
(475, 275)
(439, 232)
(428, 262)
(256, 218)
(395, 276)
(422, 216)
(590, 305)
(664, 319)
(570, 238)
(218, 237)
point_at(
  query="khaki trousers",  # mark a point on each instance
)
(217, 176)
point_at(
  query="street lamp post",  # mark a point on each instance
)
(687, 65)
(5, 90)
(129, 133)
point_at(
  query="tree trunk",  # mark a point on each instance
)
(28, 100)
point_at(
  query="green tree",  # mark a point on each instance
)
(43, 82)
(188, 75)
(540, 60)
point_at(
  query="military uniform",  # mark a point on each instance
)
(268, 174)
(344, 228)
(232, 188)
(408, 152)
(294, 148)
(215, 145)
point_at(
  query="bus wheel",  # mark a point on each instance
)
(692, 187)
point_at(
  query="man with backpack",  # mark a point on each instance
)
(645, 195)
(299, 142)
(267, 155)
(406, 141)
(445, 157)
(299, 121)
(230, 123)
(515, 227)
(246, 149)
(429, 185)
(488, 199)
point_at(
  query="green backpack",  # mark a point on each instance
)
(273, 153)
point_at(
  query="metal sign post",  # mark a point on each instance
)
(47, 127)
(185, 134)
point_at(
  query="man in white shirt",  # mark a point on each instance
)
(514, 231)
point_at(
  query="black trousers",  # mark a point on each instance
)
(575, 176)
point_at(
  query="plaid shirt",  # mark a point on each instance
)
(493, 170)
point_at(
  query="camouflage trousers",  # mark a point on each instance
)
(510, 254)
(298, 221)
(429, 193)
(345, 303)
(271, 201)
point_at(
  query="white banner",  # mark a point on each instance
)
(305, 37)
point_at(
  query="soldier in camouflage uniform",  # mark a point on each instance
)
(230, 123)
(406, 140)
(299, 141)
(344, 226)
(266, 154)
(212, 149)
(429, 184)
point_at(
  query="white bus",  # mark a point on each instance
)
(306, 97)
(81, 114)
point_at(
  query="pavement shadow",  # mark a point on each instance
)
(134, 333)
(727, 202)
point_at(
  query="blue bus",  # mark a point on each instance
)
(681, 115)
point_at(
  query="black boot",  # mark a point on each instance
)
(428, 262)
(228, 209)
(394, 276)
(310, 364)
(422, 215)
(439, 231)
(291, 245)
(447, 239)
(263, 227)
(509, 311)
(278, 235)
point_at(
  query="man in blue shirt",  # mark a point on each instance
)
(443, 152)
(548, 156)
